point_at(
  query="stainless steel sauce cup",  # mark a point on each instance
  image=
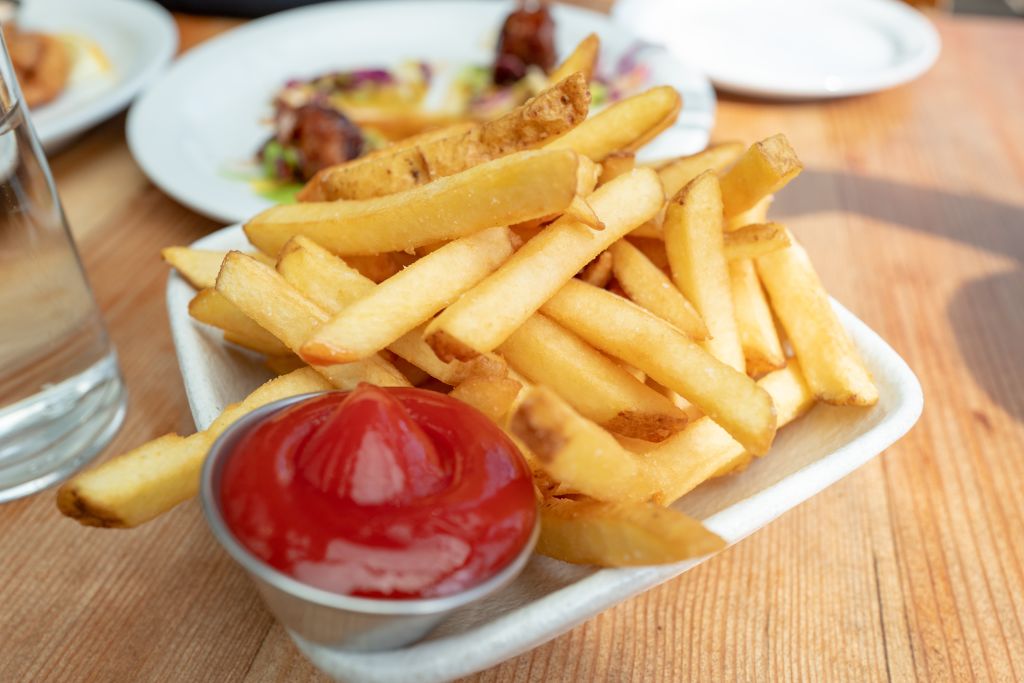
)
(320, 616)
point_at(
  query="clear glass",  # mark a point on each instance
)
(62, 398)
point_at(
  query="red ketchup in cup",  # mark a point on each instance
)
(382, 493)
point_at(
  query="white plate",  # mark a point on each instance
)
(792, 49)
(204, 116)
(551, 597)
(138, 38)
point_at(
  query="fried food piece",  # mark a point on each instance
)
(41, 63)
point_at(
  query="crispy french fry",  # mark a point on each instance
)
(136, 487)
(408, 299)
(758, 337)
(582, 60)
(834, 369)
(703, 448)
(601, 389)
(694, 244)
(625, 126)
(758, 213)
(763, 169)
(574, 450)
(487, 314)
(547, 115)
(282, 365)
(677, 174)
(492, 396)
(324, 278)
(756, 239)
(210, 307)
(648, 286)
(620, 534)
(263, 295)
(517, 187)
(599, 271)
(199, 267)
(615, 164)
(587, 175)
(626, 331)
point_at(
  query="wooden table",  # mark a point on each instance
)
(912, 205)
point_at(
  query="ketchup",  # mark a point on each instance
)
(382, 493)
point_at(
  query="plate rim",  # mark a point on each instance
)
(911, 21)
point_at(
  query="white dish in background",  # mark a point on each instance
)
(137, 37)
(791, 49)
(206, 115)
(550, 597)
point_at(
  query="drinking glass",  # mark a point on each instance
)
(61, 394)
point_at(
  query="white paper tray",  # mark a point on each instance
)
(551, 597)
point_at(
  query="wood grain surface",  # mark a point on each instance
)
(912, 205)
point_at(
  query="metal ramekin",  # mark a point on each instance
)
(320, 616)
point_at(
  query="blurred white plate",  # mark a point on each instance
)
(137, 38)
(205, 116)
(791, 49)
(550, 597)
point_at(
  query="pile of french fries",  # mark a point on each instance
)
(637, 329)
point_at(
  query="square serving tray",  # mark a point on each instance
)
(551, 597)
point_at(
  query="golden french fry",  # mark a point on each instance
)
(834, 369)
(587, 176)
(199, 267)
(136, 487)
(492, 396)
(583, 59)
(263, 295)
(574, 450)
(620, 534)
(599, 271)
(758, 337)
(677, 174)
(645, 284)
(601, 389)
(210, 307)
(518, 187)
(758, 213)
(763, 169)
(329, 283)
(487, 314)
(703, 448)
(615, 164)
(626, 331)
(756, 239)
(282, 365)
(624, 126)
(694, 244)
(408, 298)
(547, 115)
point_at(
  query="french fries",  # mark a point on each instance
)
(620, 534)
(596, 386)
(263, 295)
(405, 166)
(141, 484)
(517, 187)
(625, 126)
(826, 353)
(486, 315)
(583, 59)
(763, 169)
(401, 302)
(694, 243)
(626, 331)
(618, 321)
(210, 307)
(762, 350)
(645, 284)
(756, 239)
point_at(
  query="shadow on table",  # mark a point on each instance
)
(987, 314)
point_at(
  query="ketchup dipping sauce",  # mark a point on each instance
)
(393, 493)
